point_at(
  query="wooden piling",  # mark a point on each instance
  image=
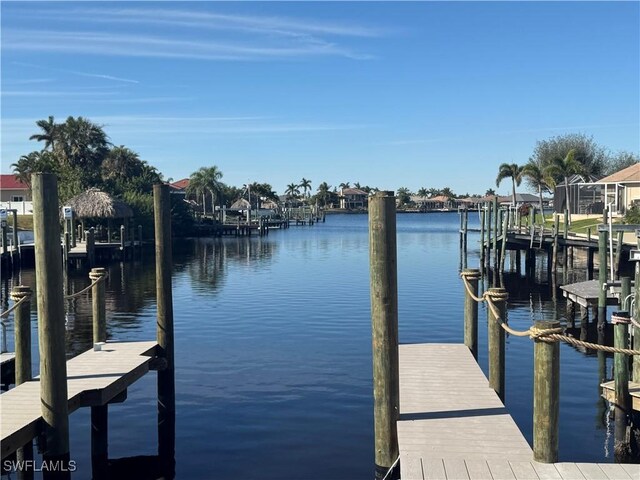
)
(384, 325)
(465, 228)
(602, 279)
(51, 319)
(22, 331)
(556, 227)
(140, 236)
(482, 239)
(471, 311)
(166, 377)
(495, 231)
(5, 245)
(14, 224)
(546, 390)
(590, 255)
(91, 247)
(584, 322)
(571, 313)
(98, 305)
(496, 342)
(636, 331)
(503, 243)
(622, 405)
(66, 248)
(618, 256)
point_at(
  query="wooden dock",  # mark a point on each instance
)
(93, 379)
(586, 293)
(453, 425)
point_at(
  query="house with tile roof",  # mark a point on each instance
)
(13, 190)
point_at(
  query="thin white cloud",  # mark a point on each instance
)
(185, 126)
(132, 45)
(74, 72)
(272, 25)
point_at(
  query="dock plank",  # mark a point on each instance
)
(93, 378)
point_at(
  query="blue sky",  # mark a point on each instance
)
(416, 94)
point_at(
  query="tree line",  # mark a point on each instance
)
(556, 160)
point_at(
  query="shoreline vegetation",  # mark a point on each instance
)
(82, 156)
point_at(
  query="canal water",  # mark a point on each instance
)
(273, 348)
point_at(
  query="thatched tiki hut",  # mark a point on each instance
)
(97, 204)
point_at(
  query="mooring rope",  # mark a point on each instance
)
(391, 468)
(544, 335)
(85, 290)
(6, 313)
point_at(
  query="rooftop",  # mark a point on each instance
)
(629, 174)
(10, 182)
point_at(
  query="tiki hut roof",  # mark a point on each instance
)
(95, 203)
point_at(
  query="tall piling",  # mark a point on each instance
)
(546, 391)
(622, 408)
(384, 326)
(495, 231)
(22, 335)
(15, 254)
(51, 321)
(602, 279)
(503, 243)
(496, 340)
(166, 376)
(471, 311)
(482, 240)
(99, 413)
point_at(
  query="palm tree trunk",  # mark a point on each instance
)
(568, 197)
(513, 184)
(204, 204)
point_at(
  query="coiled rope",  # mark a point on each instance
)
(544, 335)
(6, 313)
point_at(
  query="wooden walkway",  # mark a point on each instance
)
(94, 378)
(453, 425)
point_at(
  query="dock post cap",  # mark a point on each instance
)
(383, 193)
(20, 291)
(497, 294)
(97, 347)
(471, 273)
(97, 272)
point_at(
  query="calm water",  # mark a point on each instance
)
(273, 349)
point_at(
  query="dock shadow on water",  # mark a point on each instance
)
(273, 348)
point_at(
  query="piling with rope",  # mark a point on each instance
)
(384, 326)
(495, 231)
(482, 240)
(472, 276)
(546, 392)
(497, 298)
(22, 334)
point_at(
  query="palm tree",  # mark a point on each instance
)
(198, 186)
(537, 178)
(34, 162)
(344, 185)
(513, 171)
(490, 192)
(423, 192)
(49, 133)
(292, 190)
(305, 185)
(404, 195)
(323, 192)
(212, 176)
(564, 167)
(447, 192)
